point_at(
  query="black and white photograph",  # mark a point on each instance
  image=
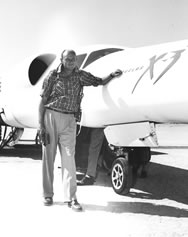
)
(94, 118)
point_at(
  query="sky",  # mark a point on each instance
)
(30, 27)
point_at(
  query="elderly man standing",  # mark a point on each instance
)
(60, 101)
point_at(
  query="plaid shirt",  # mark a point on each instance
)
(63, 92)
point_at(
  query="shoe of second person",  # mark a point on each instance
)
(87, 180)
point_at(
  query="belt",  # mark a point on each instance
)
(56, 110)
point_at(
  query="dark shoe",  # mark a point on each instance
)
(48, 201)
(87, 180)
(75, 205)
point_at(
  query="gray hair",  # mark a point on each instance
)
(68, 51)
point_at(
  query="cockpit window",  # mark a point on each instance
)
(80, 59)
(38, 66)
(98, 54)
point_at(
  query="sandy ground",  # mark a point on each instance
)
(157, 206)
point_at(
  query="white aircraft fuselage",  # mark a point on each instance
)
(152, 89)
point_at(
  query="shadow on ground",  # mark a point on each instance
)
(139, 208)
(163, 182)
(23, 151)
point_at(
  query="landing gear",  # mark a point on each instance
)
(121, 176)
(12, 138)
(124, 171)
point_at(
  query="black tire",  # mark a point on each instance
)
(121, 176)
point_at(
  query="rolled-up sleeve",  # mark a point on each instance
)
(87, 79)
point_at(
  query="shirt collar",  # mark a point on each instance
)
(60, 69)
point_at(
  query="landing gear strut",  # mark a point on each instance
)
(12, 138)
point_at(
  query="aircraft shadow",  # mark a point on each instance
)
(23, 151)
(135, 207)
(139, 208)
(163, 182)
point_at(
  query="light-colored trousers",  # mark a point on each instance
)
(96, 140)
(62, 130)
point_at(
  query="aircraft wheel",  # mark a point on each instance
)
(121, 176)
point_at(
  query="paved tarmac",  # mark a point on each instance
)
(157, 206)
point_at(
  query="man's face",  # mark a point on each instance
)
(69, 60)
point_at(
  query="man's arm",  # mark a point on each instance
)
(45, 92)
(42, 129)
(112, 75)
(87, 79)
(42, 112)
